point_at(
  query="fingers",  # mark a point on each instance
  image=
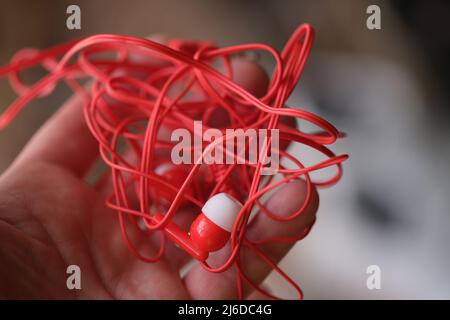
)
(250, 76)
(205, 285)
(64, 140)
(287, 200)
(253, 78)
(131, 278)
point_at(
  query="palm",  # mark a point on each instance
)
(52, 220)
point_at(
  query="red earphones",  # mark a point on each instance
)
(130, 101)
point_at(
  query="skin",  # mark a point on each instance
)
(51, 218)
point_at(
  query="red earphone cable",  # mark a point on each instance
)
(131, 102)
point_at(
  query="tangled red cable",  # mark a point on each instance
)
(130, 104)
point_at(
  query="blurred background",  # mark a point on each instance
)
(387, 89)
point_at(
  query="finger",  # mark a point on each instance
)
(143, 57)
(287, 200)
(250, 76)
(256, 295)
(132, 278)
(126, 276)
(64, 140)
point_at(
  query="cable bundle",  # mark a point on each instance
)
(132, 104)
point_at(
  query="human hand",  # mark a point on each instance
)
(51, 218)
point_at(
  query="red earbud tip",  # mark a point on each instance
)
(212, 228)
(206, 235)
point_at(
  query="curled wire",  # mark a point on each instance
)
(131, 102)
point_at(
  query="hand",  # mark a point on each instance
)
(51, 218)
